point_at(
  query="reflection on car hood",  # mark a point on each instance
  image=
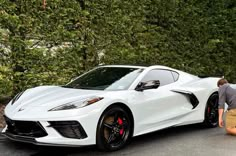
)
(53, 96)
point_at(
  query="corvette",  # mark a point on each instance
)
(109, 105)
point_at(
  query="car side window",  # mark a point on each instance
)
(164, 76)
(175, 75)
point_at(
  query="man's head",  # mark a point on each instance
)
(221, 82)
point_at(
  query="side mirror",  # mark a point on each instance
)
(153, 84)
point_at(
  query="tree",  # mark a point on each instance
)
(54, 42)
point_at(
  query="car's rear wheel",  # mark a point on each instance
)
(211, 112)
(114, 129)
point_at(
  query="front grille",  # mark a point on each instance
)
(25, 128)
(69, 129)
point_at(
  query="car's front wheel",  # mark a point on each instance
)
(211, 111)
(114, 129)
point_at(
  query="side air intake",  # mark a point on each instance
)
(193, 99)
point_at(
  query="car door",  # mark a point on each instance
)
(159, 108)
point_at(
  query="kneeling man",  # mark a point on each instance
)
(227, 95)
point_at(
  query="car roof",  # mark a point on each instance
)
(149, 67)
(137, 66)
(123, 66)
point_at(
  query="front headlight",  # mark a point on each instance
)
(77, 104)
(16, 98)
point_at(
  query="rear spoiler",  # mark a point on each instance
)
(206, 76)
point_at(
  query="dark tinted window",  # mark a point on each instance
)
(175, 75)
(106, 78)
(164, 76)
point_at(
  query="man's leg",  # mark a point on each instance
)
(231, 131)
(231, 122)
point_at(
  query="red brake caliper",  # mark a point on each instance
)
(209, 110)
(120, 122)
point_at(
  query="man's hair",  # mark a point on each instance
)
(222, 82)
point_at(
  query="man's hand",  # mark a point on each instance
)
(221, 123)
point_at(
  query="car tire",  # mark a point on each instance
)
(113, 129)
(211, 111)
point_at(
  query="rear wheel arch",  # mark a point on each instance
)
(215, 97)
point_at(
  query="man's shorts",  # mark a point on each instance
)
(230, 120)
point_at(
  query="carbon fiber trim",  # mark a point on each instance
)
(30, 140)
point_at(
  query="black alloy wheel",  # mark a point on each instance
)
(211, 112)
(114, 129)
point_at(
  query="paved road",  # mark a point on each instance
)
(179, 141)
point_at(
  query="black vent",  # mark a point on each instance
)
(25, 128)
(69, 129)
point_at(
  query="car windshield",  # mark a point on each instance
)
(106, 78)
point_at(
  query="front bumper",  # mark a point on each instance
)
(87, 117)
(49, 133)
(31, 140)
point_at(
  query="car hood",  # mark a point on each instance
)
(52, 96)
(34, 103)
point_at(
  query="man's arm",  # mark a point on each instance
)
(221, 122)
(221, 106)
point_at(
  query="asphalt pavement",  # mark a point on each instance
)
(190, 140)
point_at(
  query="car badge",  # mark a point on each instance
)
(21, 109)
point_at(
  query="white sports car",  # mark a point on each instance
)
(110, 104)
